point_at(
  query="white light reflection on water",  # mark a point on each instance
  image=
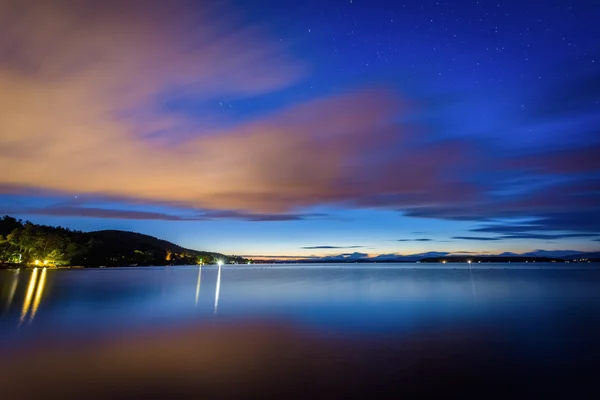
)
(218, 289)
(198, 285)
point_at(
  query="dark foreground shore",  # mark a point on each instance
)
(267, 360)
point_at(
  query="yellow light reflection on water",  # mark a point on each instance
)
(13, 288)
(28, 295)
(38, 294)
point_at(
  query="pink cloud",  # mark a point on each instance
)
(74, 75)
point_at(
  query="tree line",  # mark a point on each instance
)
(25, 243)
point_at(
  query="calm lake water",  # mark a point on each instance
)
(543, 316)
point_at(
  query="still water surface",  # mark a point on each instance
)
(356, 299)
(303, 330)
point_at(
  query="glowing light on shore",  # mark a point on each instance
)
(28, 295)
(37, 262)
(38, 294)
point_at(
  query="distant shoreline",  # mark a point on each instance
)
(440, 260)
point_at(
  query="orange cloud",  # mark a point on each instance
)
(75, 74)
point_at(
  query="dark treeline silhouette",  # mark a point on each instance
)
(24, 243)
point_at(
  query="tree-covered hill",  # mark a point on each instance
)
(25, 243)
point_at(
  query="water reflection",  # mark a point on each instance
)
(350, 298)
(218, 289)
(38, 295)
(28, 295)
(13, 289)
(472, 281)
(373, 319)
(198, 284)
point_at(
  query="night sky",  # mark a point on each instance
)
(304, 128)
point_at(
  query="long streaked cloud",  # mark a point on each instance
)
(555, 208)
(330, 247)
(526, 235)
(415, 240)
(96, 212)
(260, 217)
(113, 213)
(556, 236)
(477, 238)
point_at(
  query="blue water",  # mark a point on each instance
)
(310, 330)
(344, 299)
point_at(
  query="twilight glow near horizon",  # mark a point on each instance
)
(306, 128)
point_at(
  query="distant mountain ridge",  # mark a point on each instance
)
(553, 253)
(141, 239)
(112, 247)
(540, 255)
